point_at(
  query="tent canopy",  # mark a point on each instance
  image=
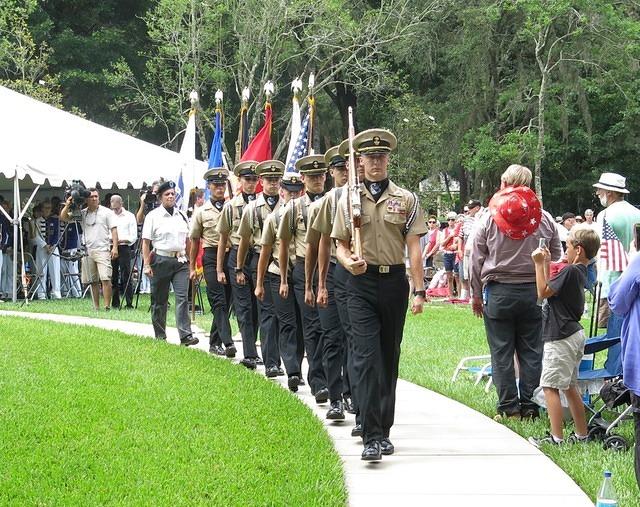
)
(49, 144)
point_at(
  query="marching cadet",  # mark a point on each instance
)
(243, 298)
(250, 231)
(168, 229)
(319, 230)
(292, 229)
(391, 219)
(289, 327)
(204, 225)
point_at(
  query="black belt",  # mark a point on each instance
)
(386, 269)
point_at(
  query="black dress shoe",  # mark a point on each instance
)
(322, 396)
(372, 451)
(336, 412)
(386, 447)
(271, 372)
(348, 405)
(217, 350)
(230, 350)
(280, 372)
(129, 307)
(190, 340)
(357, 430)
(258, 360)
(248, 362)
(293, 383)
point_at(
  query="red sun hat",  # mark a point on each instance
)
(516, 211)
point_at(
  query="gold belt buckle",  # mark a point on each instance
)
(383, 269)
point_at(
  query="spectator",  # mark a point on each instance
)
(504, 289)
(473, 208)
(567, 221)
(588, 220)
(579, 219)
(121, 267)
(620, 216)
(624, 300)
(432, 244)
(449, 245)
(562, 334)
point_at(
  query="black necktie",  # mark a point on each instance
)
(272, 200)
(218, 205)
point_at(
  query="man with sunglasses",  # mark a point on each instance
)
(254, 217)
(244, 302)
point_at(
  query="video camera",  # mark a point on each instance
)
(78, 194)
(150, 199)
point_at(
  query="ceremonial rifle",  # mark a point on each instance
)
(354, 203)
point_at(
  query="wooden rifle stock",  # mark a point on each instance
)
(355, 205)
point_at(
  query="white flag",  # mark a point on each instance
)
(187, 174)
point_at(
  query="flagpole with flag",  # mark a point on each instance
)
(215, 153)
(296, 87)
(312, 113)
(187, 177)
(243, 132)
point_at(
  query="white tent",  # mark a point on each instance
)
(50, 145)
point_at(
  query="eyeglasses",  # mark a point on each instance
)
(432, 221)
(450, 219)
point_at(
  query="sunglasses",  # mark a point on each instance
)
(450, 219)
(432, 221)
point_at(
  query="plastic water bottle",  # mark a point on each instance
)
(607, 494)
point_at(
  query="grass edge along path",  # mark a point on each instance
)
(92, 417)
(433, 344)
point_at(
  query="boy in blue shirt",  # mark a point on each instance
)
(562, 333)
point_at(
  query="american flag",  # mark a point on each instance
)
(300, 149)
(612, 254)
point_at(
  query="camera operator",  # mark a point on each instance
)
(127, 236)
(148, 200)
(99, 229)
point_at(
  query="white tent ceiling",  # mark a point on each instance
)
(49, 144)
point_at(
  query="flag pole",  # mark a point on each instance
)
(312, 113)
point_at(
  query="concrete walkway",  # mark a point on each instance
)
(446, 453)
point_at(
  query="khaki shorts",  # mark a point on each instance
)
(96, 266)
(561, 360)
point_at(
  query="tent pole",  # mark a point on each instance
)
(16, 214)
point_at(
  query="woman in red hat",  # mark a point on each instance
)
(503, 283)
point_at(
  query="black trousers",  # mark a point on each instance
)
(513, 322)
(340, 279)
(218, 300)
(243, 304)
(377, 307)
(635, 401)
(168, 271)
(333, 345)
(120, 277)
(268, 320)
(311, 331)
(290, 339)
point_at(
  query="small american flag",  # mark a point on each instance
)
(612, 254)
(300, 149)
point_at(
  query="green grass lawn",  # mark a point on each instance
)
(433, 344)
(93, 417)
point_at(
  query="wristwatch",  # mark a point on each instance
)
(238, 270)
(421, 293)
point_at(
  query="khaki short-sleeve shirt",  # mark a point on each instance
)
(270, 237)
(294, 224)
(230, 218)
(253, 220)
(383, 224)
(204, 224)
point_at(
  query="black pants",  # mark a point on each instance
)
(334, 340)
(340, 278)
(243, 304)
(290, 339)
(513, 322)
(311, 331)
(377, 307)
(168, 271)
(120, 277)
(218, 300)
(268, 320)
(635, 401)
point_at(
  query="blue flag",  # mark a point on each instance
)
(215, 153)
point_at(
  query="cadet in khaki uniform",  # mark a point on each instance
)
(292, 230)
(250, 231)
(289, 326)
(204, 225)
(321, 221)
(243, 299)
(391, 219)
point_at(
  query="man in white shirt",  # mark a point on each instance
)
(168, 229)
(101, 240)
(127, 227)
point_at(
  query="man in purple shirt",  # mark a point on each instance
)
(503, 283)
(624, 300)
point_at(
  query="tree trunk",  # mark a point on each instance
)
(344, 98)
(542, 96)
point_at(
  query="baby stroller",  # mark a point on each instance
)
(613, 394)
